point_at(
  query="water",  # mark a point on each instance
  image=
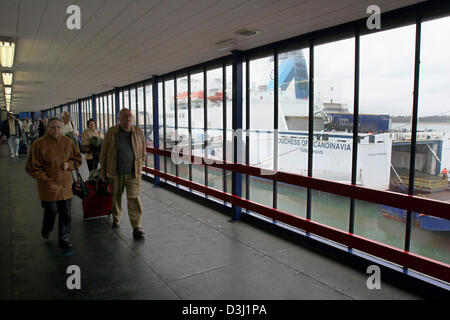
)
(334, 211)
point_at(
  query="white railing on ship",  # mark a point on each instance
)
(421, 136)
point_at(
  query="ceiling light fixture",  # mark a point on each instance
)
(247, 32)
(7, 78)
(8, 90)
(7, 49)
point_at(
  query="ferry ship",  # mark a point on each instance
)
(383, 154)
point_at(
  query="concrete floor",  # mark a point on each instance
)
(191, 252)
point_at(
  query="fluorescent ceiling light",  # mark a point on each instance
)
(7, 53)
(7, 78)
(7, 90)
(7, 97)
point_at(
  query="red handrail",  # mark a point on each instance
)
(406, 259)
(430, 207)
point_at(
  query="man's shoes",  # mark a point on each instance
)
(12, 156)
(65, 244)
(17, 154)
(138, 233)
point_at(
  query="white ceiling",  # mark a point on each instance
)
(125, 41)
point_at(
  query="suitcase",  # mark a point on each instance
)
(98, 203)
(22, 148)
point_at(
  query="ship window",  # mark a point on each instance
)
(371, 139)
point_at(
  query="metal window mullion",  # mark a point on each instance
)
(247, 125)
(108, 111)
(129, 98)
(155, 105)
(275, 128)
(80, 119)
(414, 129)
(237, 127)
(105, 112)
(136, 105)
(176, 120)
(123, 98)
(145, 118)
(205, 122)
(189, 124)
(310, 127)
(224, 123)
(105, 117)
(164, 123)
(351, 227)
(117, 105)
(94, 102)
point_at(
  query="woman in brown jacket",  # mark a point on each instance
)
(51, 161)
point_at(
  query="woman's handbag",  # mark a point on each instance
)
(85, 149)
(78, 186)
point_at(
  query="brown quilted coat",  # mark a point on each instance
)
(45, 164)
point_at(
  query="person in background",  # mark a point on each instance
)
(122, 157)
(51, 161)
(92, 157)
(42, 127)
(444, 174)
(67, 125)
(13, 132)
(26, 129)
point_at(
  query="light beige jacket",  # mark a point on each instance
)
(108, 154)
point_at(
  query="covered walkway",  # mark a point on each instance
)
(191, 252)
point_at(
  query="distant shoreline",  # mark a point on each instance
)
(432, 119)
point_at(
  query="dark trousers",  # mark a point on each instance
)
(92, 164)
(62, 208)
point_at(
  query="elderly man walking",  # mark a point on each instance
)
(122, 158)
(51, 161)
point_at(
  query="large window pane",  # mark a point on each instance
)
(430, 235)
(386, 87)
(100, 123)
(125, 100)
(182, 128)
(215, 125)
(170, 114)
(261, 124)
(293, 115)
(149, 123)
(197, 125)
(333, 128)
(133, 105)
